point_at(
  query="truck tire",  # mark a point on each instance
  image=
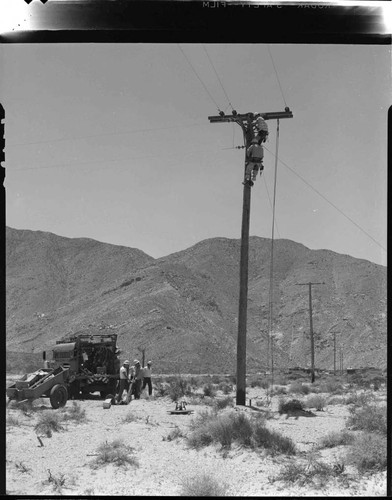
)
(58, 396)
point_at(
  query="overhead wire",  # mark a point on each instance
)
(276, 73)
(328, 201)
(216, 73)
(88, 162)
(198, 77)
(62, 139)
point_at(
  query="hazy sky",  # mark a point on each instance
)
(112, 142)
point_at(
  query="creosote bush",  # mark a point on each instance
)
(298, 388)
(368, 453)
(291, 405)
(224, 403)
(48, 422)
(225, 388)
(211, 427)
(179, 388)
(13, 421)
(174, 434)
(130, 417)
(370, 418)
(359, 398)
(73, 413)
(209, 390)
(316, 401)
(336, 439)
(203, 485)
(331, 386)
(313, 473)
(116, 453)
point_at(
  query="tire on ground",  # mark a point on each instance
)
(58, 396)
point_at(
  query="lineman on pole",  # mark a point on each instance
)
(254, 161)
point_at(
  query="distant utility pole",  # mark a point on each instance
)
(245, 122)
(311, 325)
(341, 361)
(334, 352)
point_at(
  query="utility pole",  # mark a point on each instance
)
(341, 361)
(334, 352)
(311, 325)
(245, 122)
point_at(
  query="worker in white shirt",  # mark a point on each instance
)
(260, 128)
(124, 381)
(147, 378)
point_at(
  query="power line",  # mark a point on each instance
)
(62, 139)
(277, 76)
(328, 201)
(88, 162)
(200, 80)
(216, 73)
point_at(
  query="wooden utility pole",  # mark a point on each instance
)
(245, 122)
(311, 325)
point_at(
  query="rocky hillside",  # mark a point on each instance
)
(183, 308)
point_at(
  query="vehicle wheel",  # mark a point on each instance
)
(58, 396)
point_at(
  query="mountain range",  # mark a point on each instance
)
(183, 308)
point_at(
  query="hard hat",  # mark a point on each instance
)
(126, 362)
(149, 362)
(136, 362)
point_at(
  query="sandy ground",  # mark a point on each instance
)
(164, 464)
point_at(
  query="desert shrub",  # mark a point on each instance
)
(336, 400)
(201, 419)
(237, 427)
(264, 384)
(13, 421)
(75, 413)
(359, 399)
(48, 422)
(313, 473)
(298, 388)
(291, 405)
(278, 380)
(316, 401)
(116, 453)
(370, 418)
(273, 441)
(203, 485)
(217, 379)
(174, 434)
(333, 439)
(209, 390)
(224, 403)
(179, 388)
(278, 390)
(195, 382)
(56, 481)
(161, 389)
(331, 386)
(225, 388)
(130, 417)
(368, 453)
